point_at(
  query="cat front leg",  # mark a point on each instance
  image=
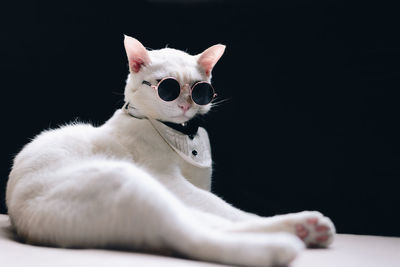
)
(205, 201)
(310, 226)
(315, 229)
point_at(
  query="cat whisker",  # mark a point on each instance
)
(219, 102)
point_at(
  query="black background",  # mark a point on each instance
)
(312, 111)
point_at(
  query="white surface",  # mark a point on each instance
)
(346, 251)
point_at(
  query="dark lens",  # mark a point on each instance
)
(202, 93)
(169, 89)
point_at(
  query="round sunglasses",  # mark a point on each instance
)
(168, 89)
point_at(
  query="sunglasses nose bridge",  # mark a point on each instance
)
(185, 87)
(186, 92)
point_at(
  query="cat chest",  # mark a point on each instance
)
(193, 149)
(190, 154)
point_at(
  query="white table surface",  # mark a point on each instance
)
(346, 251)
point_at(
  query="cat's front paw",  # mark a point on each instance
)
(314, 229)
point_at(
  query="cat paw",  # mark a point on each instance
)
(314, 229)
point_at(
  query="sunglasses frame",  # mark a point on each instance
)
(155, 87)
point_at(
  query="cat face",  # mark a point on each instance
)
(154, 65)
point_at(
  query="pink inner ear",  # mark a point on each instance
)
(136, 53)
(135, 65)
(210, 57)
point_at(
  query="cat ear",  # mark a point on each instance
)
(210, 57)
(137, 54)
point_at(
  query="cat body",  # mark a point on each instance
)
(137, 183)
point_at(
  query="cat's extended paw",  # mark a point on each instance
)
(314, 229)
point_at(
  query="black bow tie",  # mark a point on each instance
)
(188, 128)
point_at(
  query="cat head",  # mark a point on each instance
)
(152, 66)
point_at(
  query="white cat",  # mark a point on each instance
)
(139, 182)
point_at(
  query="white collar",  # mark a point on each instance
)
(194, 149)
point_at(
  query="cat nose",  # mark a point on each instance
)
(185, 106)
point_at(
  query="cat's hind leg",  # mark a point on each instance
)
(107, 203)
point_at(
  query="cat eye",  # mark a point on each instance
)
(169, 89)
